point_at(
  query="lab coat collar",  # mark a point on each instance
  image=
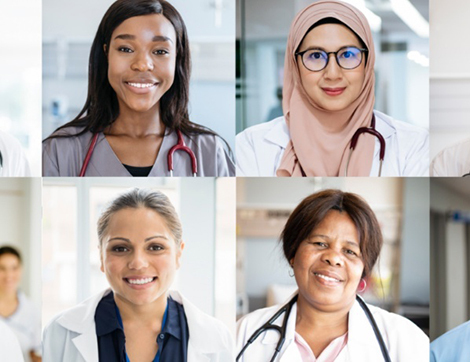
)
(280, 136)
(200, 344)
(80, 320)
(361, 337)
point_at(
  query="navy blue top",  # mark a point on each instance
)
(172, 341)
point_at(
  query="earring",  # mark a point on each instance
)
(291, 273)
(362, 288)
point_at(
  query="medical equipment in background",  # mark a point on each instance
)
(282, 329)
(180, 146)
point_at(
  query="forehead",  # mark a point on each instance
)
(337, 223)
(330, 37)
(141, 220)
(145, 27)
(9, 259)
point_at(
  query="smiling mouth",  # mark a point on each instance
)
(141, 85)
(328, 279)
(139, 281)
(333, 91)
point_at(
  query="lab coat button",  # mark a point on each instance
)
(162, 336)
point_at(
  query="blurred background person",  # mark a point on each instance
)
(16, 310)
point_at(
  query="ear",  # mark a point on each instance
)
(105, 48)
(291, 262)
(101, 258)
(179, 251)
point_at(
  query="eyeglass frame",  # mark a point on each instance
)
(362, 50)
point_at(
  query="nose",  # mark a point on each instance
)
(333, 258)
(142, 62)
(138, 260)
(332, 69)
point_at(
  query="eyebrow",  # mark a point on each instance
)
(156, 38)
(328, 238)
(118, 238)
(323, 49)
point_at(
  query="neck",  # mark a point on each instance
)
(137, 124)
(315, 320)
(147, 314)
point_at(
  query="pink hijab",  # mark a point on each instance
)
(313, 148)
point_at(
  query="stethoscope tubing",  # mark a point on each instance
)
(282, 329)
(180, 146)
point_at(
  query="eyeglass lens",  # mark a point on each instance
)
(347, 58)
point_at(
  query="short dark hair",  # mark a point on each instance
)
(10, 250)
(314, 208)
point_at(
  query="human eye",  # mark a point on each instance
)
(124, 49)
(316, 54)
(119, 249)
(156, 247)
(161, 52)
(349, 53)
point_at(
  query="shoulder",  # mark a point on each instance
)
(260, 131)
(446, 344)
(400, 331)
(403, 130)
(248, 323)
(213, 155)
(259, 148)
(453, 160)
(9, 141)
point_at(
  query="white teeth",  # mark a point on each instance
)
(326, 278)
(140, 281)
(141, 85)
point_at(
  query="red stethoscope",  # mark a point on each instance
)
(181, 145)
(371, 130)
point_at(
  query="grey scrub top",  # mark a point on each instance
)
(64, 156)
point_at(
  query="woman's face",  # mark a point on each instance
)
(141, 62)
(328, 265)
(139, 256)
(332, 88)
(10, 272)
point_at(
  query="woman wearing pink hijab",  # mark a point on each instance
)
(328, 96)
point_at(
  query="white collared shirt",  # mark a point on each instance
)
(259, 149)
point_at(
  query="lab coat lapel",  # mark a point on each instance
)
(80, 320)
(201, 346)
(362, 342)
(289, 351)
(104, 161)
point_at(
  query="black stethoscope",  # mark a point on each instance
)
(181, 145)
(352, 145)
(282, 329)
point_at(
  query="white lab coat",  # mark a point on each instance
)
(71, 336)
(452, 161)
(9, 346)
(404, 340)
(259, 149)
(15, 163)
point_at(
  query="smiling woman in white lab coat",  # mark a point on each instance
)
(328, 100)
(138, 319)
(332, 241)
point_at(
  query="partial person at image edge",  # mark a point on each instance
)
(13, 159)
(324, 108)
(452, 346)
(453, 161)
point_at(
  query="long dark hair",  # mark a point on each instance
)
(101, 108)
